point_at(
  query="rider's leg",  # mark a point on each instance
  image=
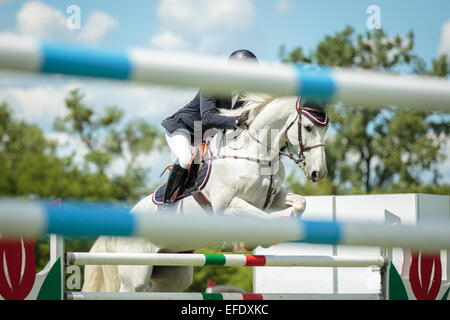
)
(180, 144)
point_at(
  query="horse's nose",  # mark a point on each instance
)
(317, 175)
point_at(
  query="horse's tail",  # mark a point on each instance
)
(102, 278)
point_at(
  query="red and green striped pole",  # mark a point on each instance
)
(226, 260)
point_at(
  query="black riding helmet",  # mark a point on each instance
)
(243, 55)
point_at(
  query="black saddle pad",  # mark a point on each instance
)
(202, 180)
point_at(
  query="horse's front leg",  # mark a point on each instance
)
(283, 200)
(241, 207)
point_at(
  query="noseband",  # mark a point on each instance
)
(301, 109)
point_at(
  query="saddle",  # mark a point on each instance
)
(199, 170)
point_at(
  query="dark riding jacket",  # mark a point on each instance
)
(202, 108)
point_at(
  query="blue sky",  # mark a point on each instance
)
(213, 27)
(299, 22)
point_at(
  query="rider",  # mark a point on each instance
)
(180, 126)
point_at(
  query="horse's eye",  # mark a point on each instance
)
(308, 128)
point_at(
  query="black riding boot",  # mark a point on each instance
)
(176, 181)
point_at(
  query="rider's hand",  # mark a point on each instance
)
(241, 122)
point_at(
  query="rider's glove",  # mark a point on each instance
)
(241, 122)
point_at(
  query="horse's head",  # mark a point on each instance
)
(303, 127)
(305, 135)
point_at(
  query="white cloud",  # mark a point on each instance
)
(201, 15)
(206, 25)
(41, 21)
(444, 46)
(39, 104)
(167, 40)
(98, 24)
(283, 6)
(151, 103)
(38, 20)
(13, 37)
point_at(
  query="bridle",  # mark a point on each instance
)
(301, 109)
(300, 160)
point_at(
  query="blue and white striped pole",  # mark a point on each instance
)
(19, 218)
(354, 87)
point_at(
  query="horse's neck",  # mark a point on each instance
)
(273, 116)
(272, 122)
(267, 128)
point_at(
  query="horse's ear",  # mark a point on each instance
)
(314, 110)
(319, 118)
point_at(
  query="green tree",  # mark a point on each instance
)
(108, 140)
(29, 164)
(377, 150)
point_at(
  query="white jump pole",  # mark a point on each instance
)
(353, 87)
(226, 260)
(30, 218)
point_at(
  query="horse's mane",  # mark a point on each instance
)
(253, 102)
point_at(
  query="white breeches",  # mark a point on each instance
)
(180, 144)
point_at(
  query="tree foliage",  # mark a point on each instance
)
(31, 167)
(107, 140)
(377, 150)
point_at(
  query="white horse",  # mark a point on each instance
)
(245, 167)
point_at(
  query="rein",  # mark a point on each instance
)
(300, 160)
(302, 149)
(271, 191)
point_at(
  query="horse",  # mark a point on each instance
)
(245, 166)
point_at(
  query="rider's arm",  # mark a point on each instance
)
(211, 117)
